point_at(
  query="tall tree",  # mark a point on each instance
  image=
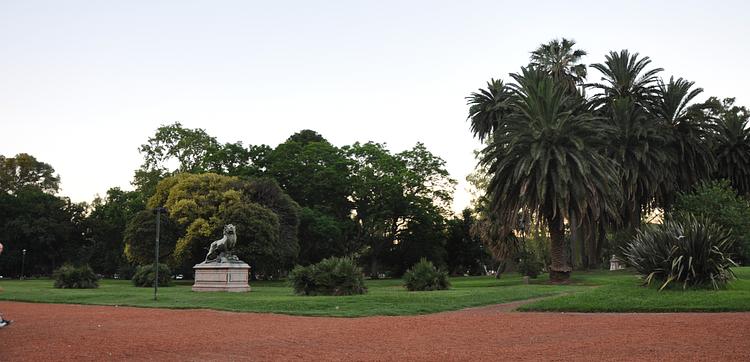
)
(545, 160)
(732, 142)
(393, 195)
(105, 228)
(628, 90)
(561, 61)
(25, 170)
(689, 137)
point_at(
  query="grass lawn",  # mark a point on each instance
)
(621, 292)
(600, 291)
(384, 297)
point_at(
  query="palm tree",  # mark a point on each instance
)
(689, 134)
(732, 146)
(560, 60)
(488, 107)
(628, 90)
(621, 77)
(545, 160)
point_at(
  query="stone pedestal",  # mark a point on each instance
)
(221, 277)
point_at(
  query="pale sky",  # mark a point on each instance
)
(84, 83)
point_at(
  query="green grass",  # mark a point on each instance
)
(622, 292)
(600, 291)
(385, 297)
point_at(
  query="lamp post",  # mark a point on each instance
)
(23, 261)
(158, 212)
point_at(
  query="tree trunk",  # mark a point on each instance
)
(576, 242)
(560, 269)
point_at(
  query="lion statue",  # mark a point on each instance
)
(220, 249)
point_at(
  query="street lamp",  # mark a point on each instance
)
(23, 261)
(158, 212)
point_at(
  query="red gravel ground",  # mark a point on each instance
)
(74, 332)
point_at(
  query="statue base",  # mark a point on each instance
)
(221, 277)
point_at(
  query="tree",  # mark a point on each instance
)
(201, 204)
(313, 172)
(561, 61)
(732, 142)
(689, 137)
(48, 227)
(322, 236)
(194, 151)
(638, 143)
(488, 107)
(25, 170)
(105, 227)
(625, 75)
(464, 250)
(717, 201)
(392, 194)
(139, 238)
(545, 161)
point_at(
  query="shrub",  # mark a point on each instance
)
(82, 277)
(528, 264)
(331, 276)
(718, 202)
(692, 251)
(425, 276)
(144, 276)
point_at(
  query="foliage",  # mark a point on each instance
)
(528, 264)
(464, 251)
(201, 204)
(81, 277)
(425, 276)
(393, 193)
(542, 161)
(560, 61)
(693, 252)
(106, 224)
(321, 235)
(50, 228)
(732, 142)
(331, 276)
(24, 171)
(139, 237)
(718, 202)
(144, 276)
(313, 172)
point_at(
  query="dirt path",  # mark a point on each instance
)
(74, 332)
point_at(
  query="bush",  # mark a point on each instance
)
(718, 202)
(425, 276)
(144, 276)
(68, 276)
(528, 264)
(331, 276)
(694, 252)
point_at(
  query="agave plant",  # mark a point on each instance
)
(692, 251)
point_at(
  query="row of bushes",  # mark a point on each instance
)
(83, 277)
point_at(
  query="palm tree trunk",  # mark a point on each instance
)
(560, 269)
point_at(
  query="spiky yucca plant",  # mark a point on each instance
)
(692, 251)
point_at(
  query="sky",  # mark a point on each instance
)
(84, 83)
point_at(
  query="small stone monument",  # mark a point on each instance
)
(222, 271)
(615, 263)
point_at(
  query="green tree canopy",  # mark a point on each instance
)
(25, 170)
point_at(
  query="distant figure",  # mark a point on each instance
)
(3, 322)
